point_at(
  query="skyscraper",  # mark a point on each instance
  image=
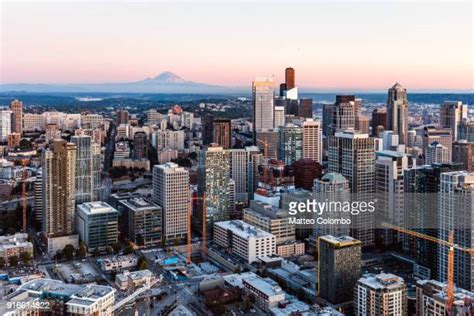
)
(17, 116)
(140, 145)
(239, 173)
(213, 181)
(263, 95)
(290, 143)
(84, 169)
(222, 133)
(441, 136)
(451, 114)
(312, 140)
(379, 121)
(341, 115)
(122, 117)
(280, 113)
(339, 268)
(463, 152)
(305, 108)
(289, 78)
(59, 188)
(437, 153)
(306, 171)
(171, 192)
(5, 124)
(397, 112)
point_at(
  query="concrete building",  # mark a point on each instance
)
(463, 152)
(86, 169)
(15, 245)
(171, 193)
(222, 133)
(263, 95)
(5, 124)
(97, 225)
(290, 143)
(306, 171)
(312, 140)
(341, 115)
(381, 294)
(268, 139)
(451, 114)
(143, 222)
(140, 145)
(122, 117)
(339, 268)
(266, 292)
(437, 153)
(280, 114)
(379, 121)
(17, 116)
(243, 240)
(397, 112)
(441, 136)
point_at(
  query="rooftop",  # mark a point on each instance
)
(266, 286)
(382, 281)
(340, 241)
(97, 207)
(242, 229)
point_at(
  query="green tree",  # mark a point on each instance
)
(117, 247)
(25, 257)
(81, 251)
(142, 263)
(68, 251)
(109, 250)
(13, 261)
(128, 249)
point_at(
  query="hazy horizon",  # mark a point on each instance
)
(333, 46)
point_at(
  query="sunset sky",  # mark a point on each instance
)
(332, 45)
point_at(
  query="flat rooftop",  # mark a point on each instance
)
(244, 230)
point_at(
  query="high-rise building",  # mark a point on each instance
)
(38, 191)
(5, 124)
(84, 169)
(263, 95)
(290, 143)
(171, 193)
(97, 225)
(140, 145)
(59, 188)
(280, 113)
(312, 140)
(437, 153)
(362, 123)
(397, 112)
(213, 182)
(207, 126)
(441, 136)
(305, 172)
(17, 116)
(289, 78)
(267, 141)
(254, 159)
(456, 214)
(342, 114)
(328, 110)
(239, 165)
(380, 294)
(222, 133)
(305, 108)
(122, 117)
(352, 155)
(466, 131)
(463, 152)
(379, 121)
(339, 268)
(142, 219)
(451, 114)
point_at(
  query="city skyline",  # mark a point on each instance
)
(225, 45)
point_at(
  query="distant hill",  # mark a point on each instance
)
(166, 82)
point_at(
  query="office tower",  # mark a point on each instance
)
(239, 165)
(312, 140)
(263, 95)
(397, 112)
(389, 189)
(213, 182)
(84, 169)
(142, 221)
(140, 145)
(379, 121)
(334, 187)
(59, 188)
(243, 240)
(456, 214)
(390, 140)
(254, 159)
(328, 110)
(306, 171)
(207, 129)
(97, 225)
(431, 299)
(339, 268)
(437, 153)
(380, 294)
(305, 109)
(342, 114)
(442, 136)
(91, 120)
(422, 185)
(279, 115)
(466, 130)
(451, 114)
(122, 117)
(289, 78)
(5, 124)
(168, 139)
(362, 123)
(222, 134)
(463, 152)
(290, 143)
(38, 193)
(352, 155)
(153, 117)
(267, 142)
(411, 138)
(13, 140)
(171, 193)
(17, 116)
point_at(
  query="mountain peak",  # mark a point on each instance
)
(168, 77)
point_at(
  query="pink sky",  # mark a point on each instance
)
(334, 45)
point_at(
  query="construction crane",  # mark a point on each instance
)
(203, 245)
(451, 247)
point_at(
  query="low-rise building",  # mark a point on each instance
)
(266, 292)
(133, 279)
(118, 263)
(15, 245)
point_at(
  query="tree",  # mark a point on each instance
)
(68, 251)
(2, 262)
(25, 257)
(109, 250)
(13, 261)
(142, 263)
(128, 249)
(117, 247)
(81, 251)
(96, 252)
